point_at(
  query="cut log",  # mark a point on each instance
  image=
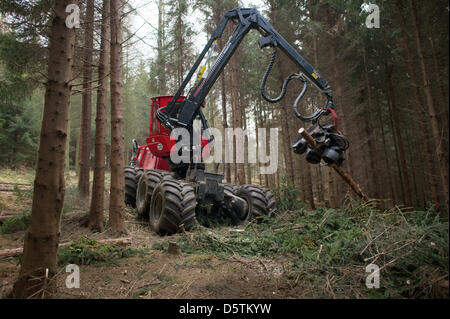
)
(11, 252)
(114, 241)
(8, 183)
(6, 215)
(9, 187)
(345, 176)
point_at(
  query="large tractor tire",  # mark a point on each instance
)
(145, 187)
(260, 200)
(132, 176)
(172, 207)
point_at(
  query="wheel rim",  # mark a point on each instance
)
(157, 207)
(244, 214)
(141, 194)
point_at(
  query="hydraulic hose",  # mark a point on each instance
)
(266, 75)
(316, 115)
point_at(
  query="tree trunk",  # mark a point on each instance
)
(421, 127)
(444, 116)
(399, 186)
(388, 177)
(331, 195)
(117, 195)
(39, 261)
(398, 138)
(161, 65)
(237, 123)
(223, 93)
(370, 131)
(285, 133)
(258, 124)
(337, 84)
(318, 169)
(98, 187)
(86, 104)
(443, 166)
(249, 170)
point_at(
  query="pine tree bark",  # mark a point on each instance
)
(95, 221)
(223, 93)
(86, 103)
(285, 133)
(258, 124)
(248, 164)
(443, 166)
(337, 84)
(117, 195)
(180, 42)
(318, 169)
(161, 64)
(444, 106)
(331, 195)
(421, 127)
(388, 179)
(444, 115)
(370, 131)
(235, 105)
(39, 261)
(406, 191)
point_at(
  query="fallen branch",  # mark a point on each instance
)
(370, 242)
(11, 187)
(6, 215)
(114, 241)
(345, 176)
(11, 190)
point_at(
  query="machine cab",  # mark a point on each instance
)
(155, 154)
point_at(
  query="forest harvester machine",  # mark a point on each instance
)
(170, 194)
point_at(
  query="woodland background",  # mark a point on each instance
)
(390, 86)
(391, 94)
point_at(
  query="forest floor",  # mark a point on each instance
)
(296, 254)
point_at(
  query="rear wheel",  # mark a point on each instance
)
(172, 207)
(238, 216)
(132, 176)
(260, 200)
(146, 185)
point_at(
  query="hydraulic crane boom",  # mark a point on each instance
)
(167, 189)
(246, 20)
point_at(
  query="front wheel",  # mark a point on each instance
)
(172, 207)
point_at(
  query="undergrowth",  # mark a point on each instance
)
(15, 223)
(85, 251)
(329, 249)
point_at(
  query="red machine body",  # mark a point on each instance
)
(159, 145)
